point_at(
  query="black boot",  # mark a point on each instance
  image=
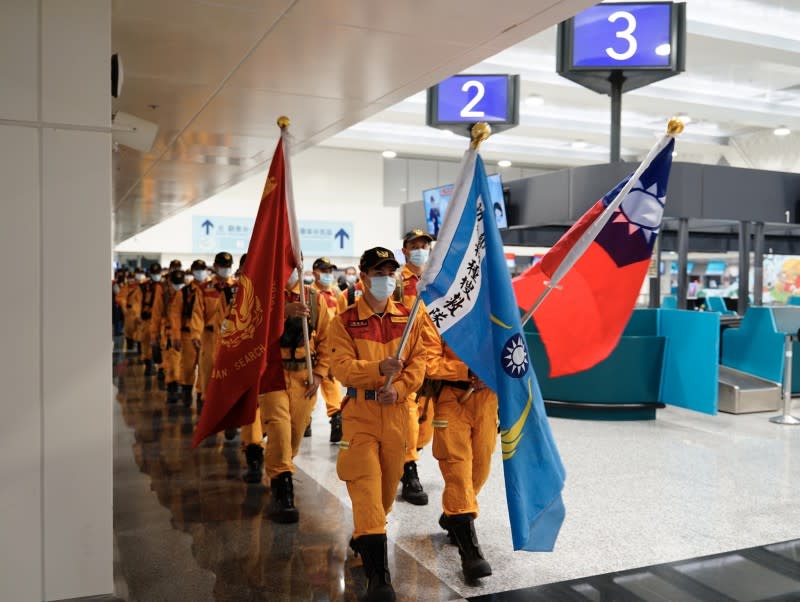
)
(199, 403)
(307, 432)
(444, 523)
(374, 556)
(282, 508)
(186, 394)
(254, 456)
(412, 488)
(473, 562)
(130, 345)
(161, 375)
(148, 367)
(172, 392)
(230, 434)
(336, 427)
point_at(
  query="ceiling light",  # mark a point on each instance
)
(534, 100)
(579, 144)
(504, 163)
(389, 154)
(782, 131)
(663, 50)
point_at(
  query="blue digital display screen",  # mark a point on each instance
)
(622, 36)
(473, 98)
(436, 200)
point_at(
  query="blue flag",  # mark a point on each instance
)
(467, 290)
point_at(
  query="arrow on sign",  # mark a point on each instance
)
(207, 225)
(341, 235)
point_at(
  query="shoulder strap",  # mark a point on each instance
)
(398, 290)
(313, 302)
(351, 294)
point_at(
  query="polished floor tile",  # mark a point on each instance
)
(637, 494)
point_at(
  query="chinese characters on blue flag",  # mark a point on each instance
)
(469, 298)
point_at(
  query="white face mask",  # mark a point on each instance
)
(177, 287)
(350, 278)
(382, 287)
(139, 278)
(308, 279)
(419, 256)
(155, 277)
(199, 275)
(292, 279)
(188, 278)
(224, 272)
(326, 280)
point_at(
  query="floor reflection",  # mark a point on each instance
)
(250, 557)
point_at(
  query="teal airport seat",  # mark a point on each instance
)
(663, 357)
(717, 304)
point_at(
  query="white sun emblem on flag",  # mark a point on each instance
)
(515, 357)
(642, 210)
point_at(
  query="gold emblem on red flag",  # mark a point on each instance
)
(269, 186)
(241, 323)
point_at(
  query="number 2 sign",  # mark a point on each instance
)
(465, 99)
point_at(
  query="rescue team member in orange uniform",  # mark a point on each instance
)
(185, 335)
(132, 311)
(364, 342)
(353, 291)
(171, 358)
(416, 249)
(206, 316)
(324, 284)
(148, 298)
(286, 413)
(464, 438)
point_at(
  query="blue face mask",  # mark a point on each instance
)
(382, 287)
(326, 279)
(419, 256)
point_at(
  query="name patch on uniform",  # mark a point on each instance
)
(357, 324)
(400, 319)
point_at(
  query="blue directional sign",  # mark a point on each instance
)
(622, 36)
(326, 238)
(212, 234)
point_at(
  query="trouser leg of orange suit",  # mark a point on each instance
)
(130, 326)
(253, 434)
(412, 455)
(371, 460)
(277, 423)
(146, 339)
(172, 364)
(206, 360)
(300, 408)
(332, 393)
(464, 438)
(188, 362)
(425, 421)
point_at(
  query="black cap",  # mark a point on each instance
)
(323, 263)
(155, 268)
(138, 271)
(198, 264)
(223, 260)
(176, 277)
(175, 264)
(416, 233)
(375, 257)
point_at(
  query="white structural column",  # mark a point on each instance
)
(56, 531)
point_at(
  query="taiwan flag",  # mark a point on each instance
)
(596, 270)
(248, 360)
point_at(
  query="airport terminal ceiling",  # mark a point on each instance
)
(351, 74)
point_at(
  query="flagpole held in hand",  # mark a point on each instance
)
(674, 128)
(306, 338)
(404, 339)
(480, 132)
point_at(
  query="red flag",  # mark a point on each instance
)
(251, 332)
(582, 318)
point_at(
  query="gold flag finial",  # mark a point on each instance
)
(284, 122)
(480, 132)
(675, 126)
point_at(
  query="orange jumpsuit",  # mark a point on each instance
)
(465, 433)
(331, 388)
(183, 329)
(373, 446)
(149, 299)
(420, 434)
(126, 296)
(171, 357)
(285, 414)
(207, 314)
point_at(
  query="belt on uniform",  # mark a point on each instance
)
(295, 365)
(369, 394)
(457, 384)
(210, 328)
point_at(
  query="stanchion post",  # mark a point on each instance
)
(786, 417)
